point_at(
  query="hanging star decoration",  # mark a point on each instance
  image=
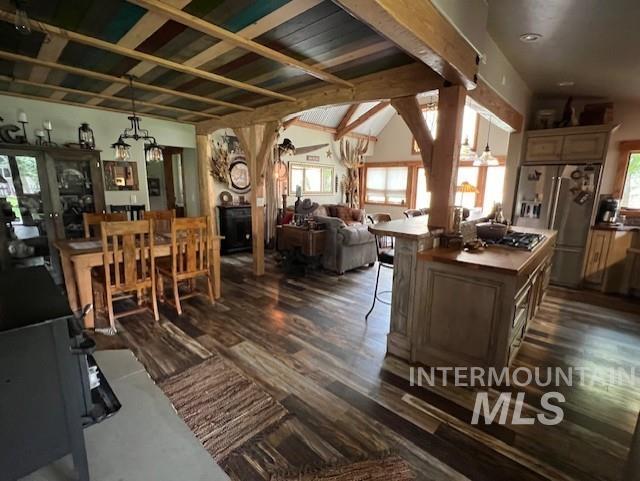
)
(329, 154)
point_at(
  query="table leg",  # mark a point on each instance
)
(85, 292)
(70, 282)
(215, 267)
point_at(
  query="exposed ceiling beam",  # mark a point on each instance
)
(332, 62)
(330, 130)
(422, 31)
(213, 30)
(49, 51)
(290, 121)
(148, 24)
(103, 97)
(110, 78)
(347, 117)
(361, 120)
(78, 104)
(145, 57)
(398, 82)
(268, 22)
(488, 98)
(410, 111)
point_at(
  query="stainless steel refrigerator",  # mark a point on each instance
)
(560, 197)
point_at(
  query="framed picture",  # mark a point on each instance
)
(154, 186)
(120, 175)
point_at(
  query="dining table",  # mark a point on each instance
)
(79, 256)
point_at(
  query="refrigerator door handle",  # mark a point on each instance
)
(556, 199)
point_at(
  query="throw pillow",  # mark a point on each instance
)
(344, 213)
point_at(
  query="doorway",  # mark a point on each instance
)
(166, 182)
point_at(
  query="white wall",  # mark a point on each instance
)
(191, 182)
(106, 127)
(156, 170)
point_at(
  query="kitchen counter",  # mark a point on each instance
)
(413, 228)
(616, 227)
(496, 258)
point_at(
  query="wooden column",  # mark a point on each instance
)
(446, 153)
(256, 142)
(410, 111)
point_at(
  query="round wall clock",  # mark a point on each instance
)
(239, 180)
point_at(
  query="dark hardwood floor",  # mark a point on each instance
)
(305, 341)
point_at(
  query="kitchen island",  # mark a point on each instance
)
(455, 308)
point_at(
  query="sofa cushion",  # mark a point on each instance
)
(321, 211)
(356, 235)
(344, 213)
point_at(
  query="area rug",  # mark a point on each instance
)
(385, 468)
(222, 407)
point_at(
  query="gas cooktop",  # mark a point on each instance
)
(521, 240)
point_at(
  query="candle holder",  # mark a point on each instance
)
(48, 127)
(39, 133)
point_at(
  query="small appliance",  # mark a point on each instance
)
(607, 211)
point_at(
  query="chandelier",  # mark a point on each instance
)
(121, 150)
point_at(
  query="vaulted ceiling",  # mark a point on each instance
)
(78, 52)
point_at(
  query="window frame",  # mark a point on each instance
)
(412, 175)
(306, 165)
(627, 148)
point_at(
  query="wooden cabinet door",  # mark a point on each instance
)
(597, 257)
(584, 146)
(634, 281)
(544, 149)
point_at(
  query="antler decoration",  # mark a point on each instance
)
(352, 158)
(220, 162)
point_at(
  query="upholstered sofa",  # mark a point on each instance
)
(348, 244)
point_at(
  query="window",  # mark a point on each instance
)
(631, 190)
(312, 178)
(469, 122)
(387, 185)
(488, 182)
(423, 198)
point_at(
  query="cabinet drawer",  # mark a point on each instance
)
(544, 149)
(584, 146)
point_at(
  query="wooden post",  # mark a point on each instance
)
(446, 153)
(205, 180)
(410, 111)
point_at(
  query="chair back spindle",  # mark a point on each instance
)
(91, 221)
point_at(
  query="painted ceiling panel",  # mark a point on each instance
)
(326, 116)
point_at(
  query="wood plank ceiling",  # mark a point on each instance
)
(90, 46)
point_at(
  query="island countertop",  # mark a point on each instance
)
(506, 260)
(412, 228)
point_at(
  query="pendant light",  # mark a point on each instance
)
(466, 152)
(486, 159)
(121, 150)
(21, 19)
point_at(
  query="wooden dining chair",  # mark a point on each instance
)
(91, 221)
(161, 219)
(191, 244)
(128, 268)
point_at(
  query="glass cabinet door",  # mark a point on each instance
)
(26, 204)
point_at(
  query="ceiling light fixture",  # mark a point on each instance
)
(530, 37)
(21, 20)
(466, 152)
(566, 83)
(121, 150)
(486, 159)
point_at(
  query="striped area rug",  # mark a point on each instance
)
(222, 407)
(386, 468)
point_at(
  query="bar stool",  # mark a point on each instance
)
(385, 251)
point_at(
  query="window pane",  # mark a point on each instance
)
(376, 178)
(470, 175)
(469, 125)
(494, 187)
(327, 180)
(313, 179)
(296, 179)
(431, 116)
(423, 198)
(375, 196)
(397, 178)
(28, 170)
(631, 195)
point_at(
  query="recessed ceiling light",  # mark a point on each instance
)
(566, 83)
(530, 37)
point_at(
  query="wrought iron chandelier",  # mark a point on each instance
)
(152, 151)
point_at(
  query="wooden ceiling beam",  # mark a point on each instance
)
(78, 104)
(346, 118)
(288, 122)
(110, 78)
(67, 90)
(145, 57)
(261, 26)
(422, 31)
(361, 120)
(410, 111)
(397, 82)
(213, 30)
(330, 130)
(488, 98)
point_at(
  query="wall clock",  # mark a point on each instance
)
(239, 180)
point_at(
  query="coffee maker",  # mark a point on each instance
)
(607, 211)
